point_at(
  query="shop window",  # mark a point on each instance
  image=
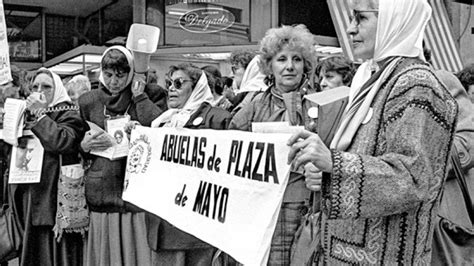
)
(23, 33)
(314, 14)
(209, 22)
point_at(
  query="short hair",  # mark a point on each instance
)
(242, 57)
(118, 132)
(214, 78)
(338, 64)
(191, 70)
(295, 38)
(78, 81)
(115, 60)
(466, 76)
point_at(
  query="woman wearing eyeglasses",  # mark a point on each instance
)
(287, 56)
(117, 234)
(59, 128)
(382, 175)
(189, 103)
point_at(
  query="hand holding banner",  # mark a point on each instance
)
(224, 187)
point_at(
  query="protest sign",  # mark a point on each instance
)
(224, 187)
(5, 74)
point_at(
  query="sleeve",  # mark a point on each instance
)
(464, 136)
(414, 140)
(147, 111)
(242, 120)
(62, 135)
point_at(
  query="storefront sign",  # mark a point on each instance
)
(222, 186)
(206, 20)
(5, 74)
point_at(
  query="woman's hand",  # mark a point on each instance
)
(96, 141)
(313, 177)
(138, 84)
(307, 147)
(36, 102)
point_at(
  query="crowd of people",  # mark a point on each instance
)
(373, 163)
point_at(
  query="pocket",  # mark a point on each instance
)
(94, 187)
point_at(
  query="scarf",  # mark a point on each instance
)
(400, 29)
(177, 117)
(253, 79)
(117, 103)
(60, 93)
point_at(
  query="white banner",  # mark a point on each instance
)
(224, 187)
(5, 74)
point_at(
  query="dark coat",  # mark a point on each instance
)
(59, 133)
(104, 178)
(163, 235)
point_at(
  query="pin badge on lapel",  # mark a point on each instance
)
(197, 121)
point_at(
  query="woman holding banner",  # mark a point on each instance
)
(59, 129)
(189, 103)
(287, 56)
(117, 234)
(382, 175)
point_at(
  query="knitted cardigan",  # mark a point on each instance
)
(379, 204)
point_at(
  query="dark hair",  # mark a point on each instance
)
(191, 70)
(214, 78)
(152, 77)
(118, 132)
(340, 65)
(242, 57)
(227, 81)
(466, 76)
(115, 60)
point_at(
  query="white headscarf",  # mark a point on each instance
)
(129, 57)
(253, 78)
(177, 117)
(400, 30)
(60, 94)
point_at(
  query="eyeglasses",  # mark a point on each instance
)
(356, 15)
(177, 83)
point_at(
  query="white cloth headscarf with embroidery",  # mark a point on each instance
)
(400, 30)
(60, 93)
(177, 117)
(253, 78)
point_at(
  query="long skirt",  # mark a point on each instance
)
(289, 219)
(39, 246)
(118, 239)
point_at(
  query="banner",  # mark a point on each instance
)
(223, 186)
(5, 75)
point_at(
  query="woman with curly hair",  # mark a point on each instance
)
(287, 55)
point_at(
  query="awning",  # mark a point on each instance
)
(439, 37)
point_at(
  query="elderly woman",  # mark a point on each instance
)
(117, 234)
(189, 102)
(334, 72)
(287, 56)
(383, 172)
(77, 86)
(59, 129)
